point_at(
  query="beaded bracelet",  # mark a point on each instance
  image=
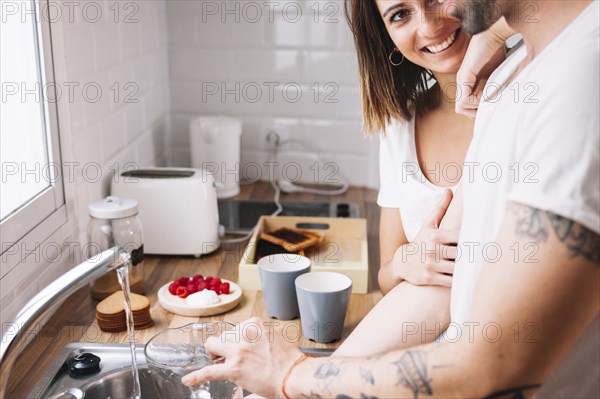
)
(300, 359)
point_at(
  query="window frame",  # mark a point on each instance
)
(37, 219)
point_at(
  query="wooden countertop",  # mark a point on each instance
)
(75, 319)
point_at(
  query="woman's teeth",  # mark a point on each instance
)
(443, 46)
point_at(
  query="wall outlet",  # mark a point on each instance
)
(273, 138)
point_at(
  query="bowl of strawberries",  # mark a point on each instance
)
(199, 295)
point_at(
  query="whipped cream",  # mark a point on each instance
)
(203, 298)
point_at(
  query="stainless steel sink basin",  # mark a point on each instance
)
(114, 380)
(119, 384)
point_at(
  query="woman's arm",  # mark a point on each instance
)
(409, 315)
(391, 237)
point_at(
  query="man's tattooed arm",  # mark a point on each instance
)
(462, 369)
(412, 372)
(537, 224)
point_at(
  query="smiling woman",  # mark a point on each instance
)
(409, 54)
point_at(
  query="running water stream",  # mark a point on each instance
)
(123, 275)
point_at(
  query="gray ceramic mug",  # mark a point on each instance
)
(323, 301)
(277, 275)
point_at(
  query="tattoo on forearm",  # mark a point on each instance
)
(536, 224)
(362, 396)
(513, 393)
(327, 370)
(578, 239)
(367, 375)
(412, 372)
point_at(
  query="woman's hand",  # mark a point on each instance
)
(257, 357)
(429, 259)
(485, 53)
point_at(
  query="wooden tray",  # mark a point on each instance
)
(344, 249)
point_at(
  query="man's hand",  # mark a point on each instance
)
(429, 259)
(256, 357)
(485, 53)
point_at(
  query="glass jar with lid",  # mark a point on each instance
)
(114, 221)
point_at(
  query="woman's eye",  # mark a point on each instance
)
(400, 15)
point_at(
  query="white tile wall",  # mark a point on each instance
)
(126, 60)
(225, 56)
(118, 114)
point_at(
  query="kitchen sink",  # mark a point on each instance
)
(114, 380)
(241, 216)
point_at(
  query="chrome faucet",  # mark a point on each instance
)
(46, 300)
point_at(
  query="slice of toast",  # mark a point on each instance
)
(266, 248)
(293, 240)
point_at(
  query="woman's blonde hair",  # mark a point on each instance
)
(388, 92)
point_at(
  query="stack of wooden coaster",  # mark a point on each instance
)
(110, 313)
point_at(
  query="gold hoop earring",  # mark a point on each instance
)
(392, 55)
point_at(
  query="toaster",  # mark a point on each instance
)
(177, 207)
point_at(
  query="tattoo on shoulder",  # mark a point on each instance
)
(579, 240)
(536, 224)
(367, 375)
(412, 372)
(530, 222)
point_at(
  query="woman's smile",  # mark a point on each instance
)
(443, 45)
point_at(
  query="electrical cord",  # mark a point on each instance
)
(276, 201)
(288, 187)
(273, 136)
(240, 240)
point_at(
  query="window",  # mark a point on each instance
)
(31, 190)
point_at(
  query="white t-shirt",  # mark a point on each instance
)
(403, 184)
(541, 151)
(545, 144)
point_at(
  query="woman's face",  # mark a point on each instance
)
(425, 33)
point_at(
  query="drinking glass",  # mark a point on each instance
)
(175, 352)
